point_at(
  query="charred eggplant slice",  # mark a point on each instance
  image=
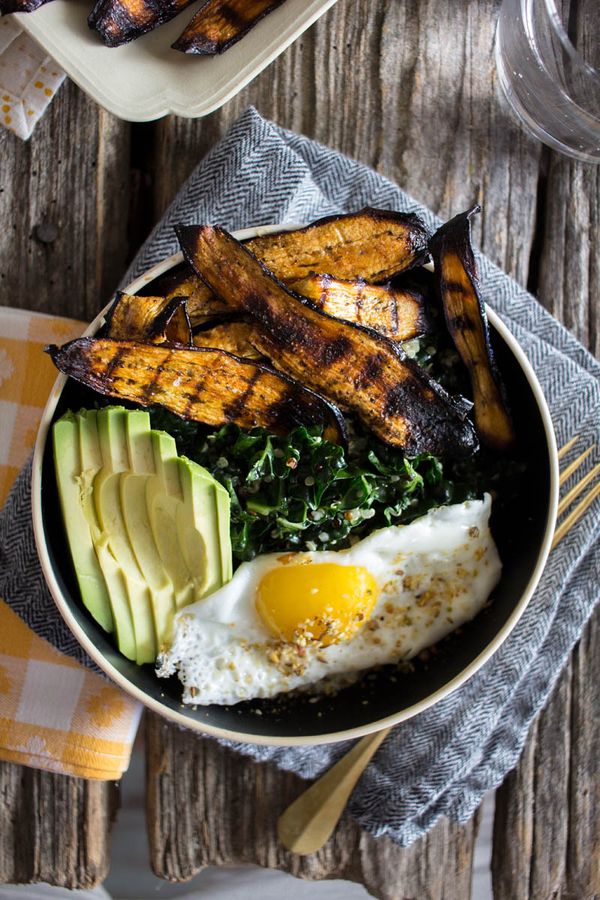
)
(219, 24)
(15, 6)
(154, 320)
(397, 313)
(120, 21)
(349, 364)
(458, 288)
(373, 244)
(235, 337)
(209, 386)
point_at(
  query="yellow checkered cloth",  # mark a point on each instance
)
(54, 713)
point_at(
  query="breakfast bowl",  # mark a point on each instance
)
(383, 696)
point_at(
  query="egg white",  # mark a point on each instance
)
(433, 575)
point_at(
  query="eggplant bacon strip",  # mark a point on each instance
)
(397, 313)
(349, 364)
(458, 287)
(120, 21)
(219, 24)
(153, 320)
(372, 244)
(209, 386)
(15, 6)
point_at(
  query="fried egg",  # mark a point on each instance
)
(288, 621)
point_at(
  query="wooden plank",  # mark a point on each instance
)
(550, 802)
(64, 200)
(65, 195)
(547, 828)
(204, 808)
(377, 82)
(55, 829)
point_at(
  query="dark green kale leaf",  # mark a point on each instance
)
(304, 492)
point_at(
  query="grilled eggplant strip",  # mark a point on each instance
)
(234, 337)
(397, 313)
(219, 24)
(209, 386)
(350, 364)
(16, 6)
(120, 21)
(458, 288)
(372, 244)
(149, 319)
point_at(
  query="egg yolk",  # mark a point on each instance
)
(323, 604)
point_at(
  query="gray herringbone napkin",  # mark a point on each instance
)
(444, 760)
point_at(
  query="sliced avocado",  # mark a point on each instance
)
(164, 495)
(113, 532)
(149, 530)
(91, 464)
(67, 460)
(198, 527)
(134, 487)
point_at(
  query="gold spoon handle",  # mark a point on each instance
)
(309, 821)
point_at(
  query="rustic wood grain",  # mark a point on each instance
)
(547, 826)
(54, 828)
(64, 203)
(204, 808)
(63, 246)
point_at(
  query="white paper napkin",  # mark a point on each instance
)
(29, 79)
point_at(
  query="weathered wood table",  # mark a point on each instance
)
(409, 87)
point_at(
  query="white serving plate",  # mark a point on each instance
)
(146, 79)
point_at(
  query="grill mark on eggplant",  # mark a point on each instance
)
(231, 410)
(461, 322)
(113, 364)
(370, 371)
(432, 424)
(334, 350)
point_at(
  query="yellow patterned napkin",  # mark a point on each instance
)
(54, 713)
(29, 79)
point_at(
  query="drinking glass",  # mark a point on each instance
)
(551, 87)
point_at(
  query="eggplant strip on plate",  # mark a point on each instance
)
(120, 21)
(349, 364)
(397, 313)
(458, 287)
(16, 6)
(219, 24)
(372, 244)
(209, 386)
(154, 320)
